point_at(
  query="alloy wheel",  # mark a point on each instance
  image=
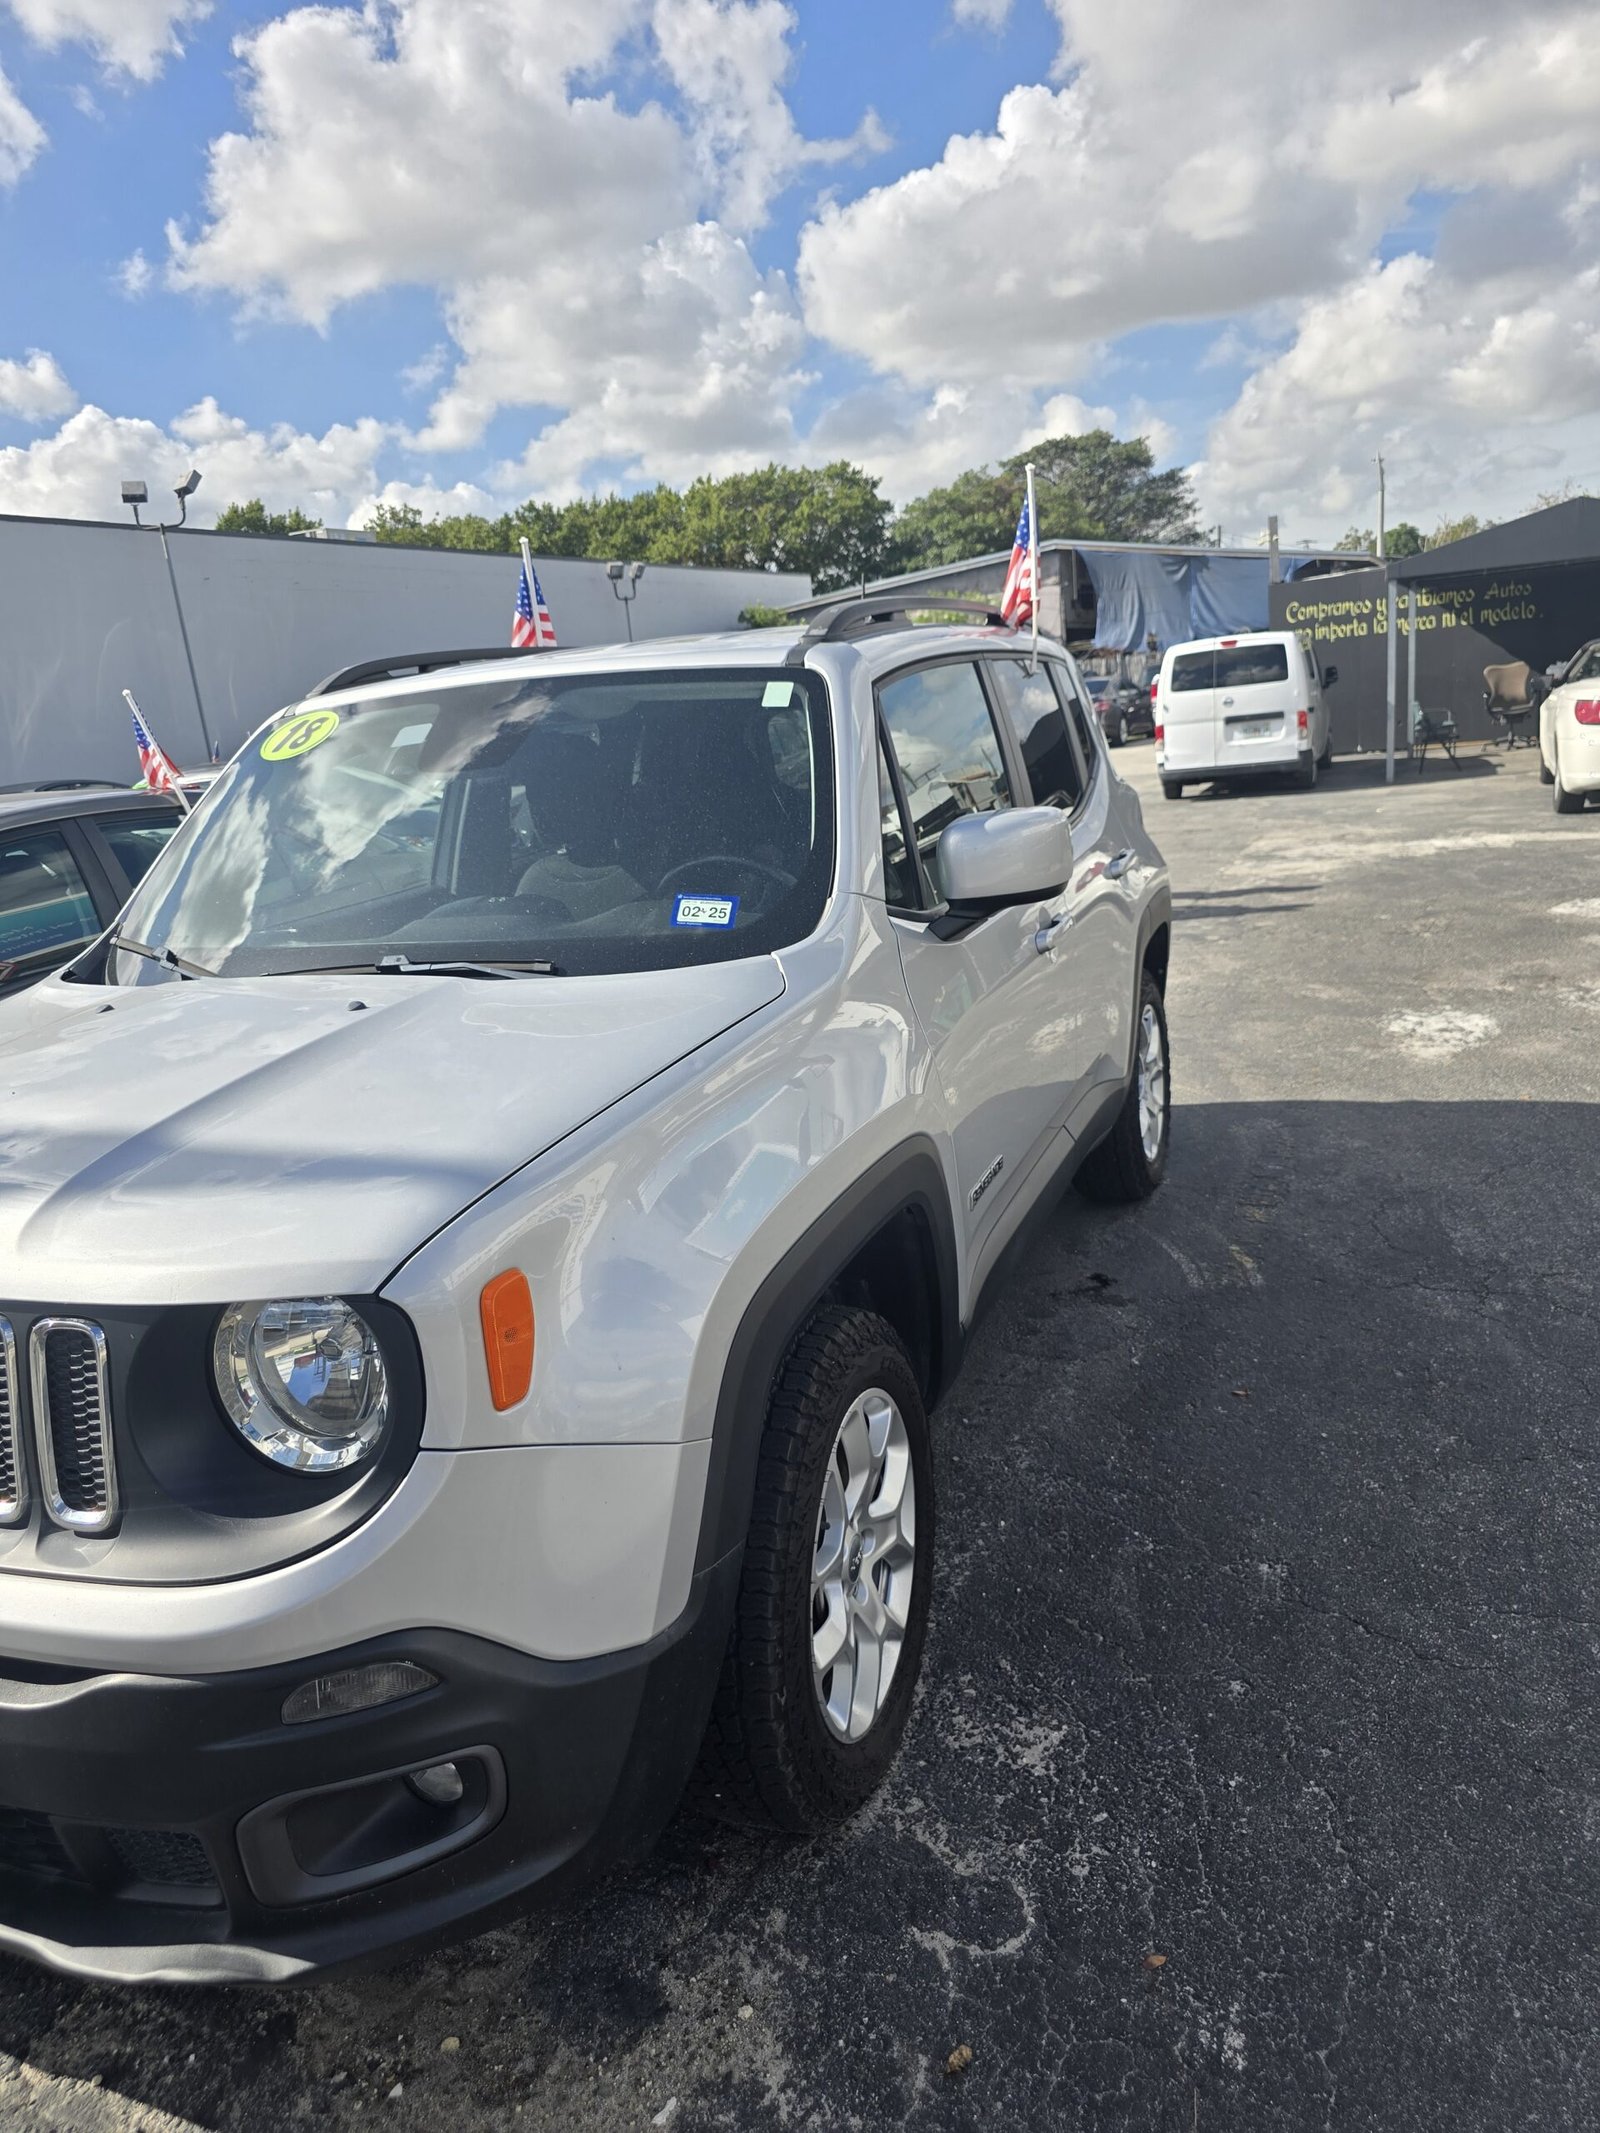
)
(863, 1566)
(1152, 1085)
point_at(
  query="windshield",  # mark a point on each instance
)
(603, 823)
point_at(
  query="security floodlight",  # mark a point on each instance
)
(183, 493)
(135, 492)
(625, 584)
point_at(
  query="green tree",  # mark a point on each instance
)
(254, 517)
(972, 515)
(1454, 529)
(1110, 484)
(1356, 540)
(1404, 539)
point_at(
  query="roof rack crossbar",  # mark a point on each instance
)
(852, 615)
(410, 663)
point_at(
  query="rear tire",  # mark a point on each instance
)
(1171, 789)
(1123, 735)
(774, 1757)
(1131, 1161)
(1305, 775)
(1566, 803)
(1546, 774)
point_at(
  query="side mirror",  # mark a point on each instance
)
(1015, 856)
(1329, 676)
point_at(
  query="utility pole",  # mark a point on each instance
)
(1382, 543)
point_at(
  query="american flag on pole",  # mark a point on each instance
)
(1017, 598)
(160, 772)
(531, 627)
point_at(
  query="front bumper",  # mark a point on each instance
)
(160, 1830)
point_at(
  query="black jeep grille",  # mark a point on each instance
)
(72, 1416)
(13, 1473)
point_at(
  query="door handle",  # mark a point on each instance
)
(1116, 868)
(1047, 936)
(1226, 701)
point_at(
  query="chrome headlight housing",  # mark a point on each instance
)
(303, 1382)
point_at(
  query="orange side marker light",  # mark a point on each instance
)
(506, 1309)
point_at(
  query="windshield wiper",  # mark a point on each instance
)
(401, 966)
(163, 956)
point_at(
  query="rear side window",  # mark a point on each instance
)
(1193, 670)
(1246, 666)
(948, 752)
(1083, 719)
(135, 840)
(1039, 723)
(45, 903)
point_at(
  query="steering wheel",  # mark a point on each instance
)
(703, 867)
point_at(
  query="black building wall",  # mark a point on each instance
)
(1540, 613)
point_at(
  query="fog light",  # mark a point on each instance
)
(441, 1786)
(358, 1688)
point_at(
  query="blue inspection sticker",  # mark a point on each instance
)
(705, 911)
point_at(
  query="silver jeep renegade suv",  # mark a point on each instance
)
(480, 1241)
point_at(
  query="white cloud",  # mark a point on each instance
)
(35, 391)
(589, 258)
(135, 275)
(981, 14)
(1234, 165)
(75, 472)
(133, 36)
(1477, 393)
(21, 135)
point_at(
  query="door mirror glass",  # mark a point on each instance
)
(1011, 858)
(1329, 676)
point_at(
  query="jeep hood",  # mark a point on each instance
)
(233, 1138)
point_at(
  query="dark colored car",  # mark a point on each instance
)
(1123, 709)
(70, 857)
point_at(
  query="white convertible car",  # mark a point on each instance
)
(1569, 732)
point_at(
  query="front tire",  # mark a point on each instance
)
(833, 1600)
(1123, 734)
(1546, 774)
(1131, 1161)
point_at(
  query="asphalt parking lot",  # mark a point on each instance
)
(1267, 1627)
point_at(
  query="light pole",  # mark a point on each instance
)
(135, 493)
(625, 586)
(1382, 543)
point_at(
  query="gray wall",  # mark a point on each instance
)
(86, 611)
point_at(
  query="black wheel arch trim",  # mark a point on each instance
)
(909, 1178)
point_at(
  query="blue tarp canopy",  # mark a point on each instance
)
(1141, 593)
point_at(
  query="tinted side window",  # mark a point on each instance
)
(44, 903)
(135, 840)
(1193, 670)
(1083, 719)
(1040, 726)
(1243, 666)
(948, 752)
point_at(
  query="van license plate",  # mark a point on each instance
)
(1255, 729)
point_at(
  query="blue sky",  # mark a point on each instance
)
(625, 240)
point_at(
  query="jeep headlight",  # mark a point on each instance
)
(303, 1382)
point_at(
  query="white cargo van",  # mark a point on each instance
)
(1241, 707)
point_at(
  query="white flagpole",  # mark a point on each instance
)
(1033, 566)
(533, 596)
(177, 791)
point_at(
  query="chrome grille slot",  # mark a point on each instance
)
(13, 1467)
(72, 1423)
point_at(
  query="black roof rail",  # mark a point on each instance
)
(853, 615)
(65, 785)
(411, 663)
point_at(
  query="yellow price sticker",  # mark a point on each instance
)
(309, 730)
